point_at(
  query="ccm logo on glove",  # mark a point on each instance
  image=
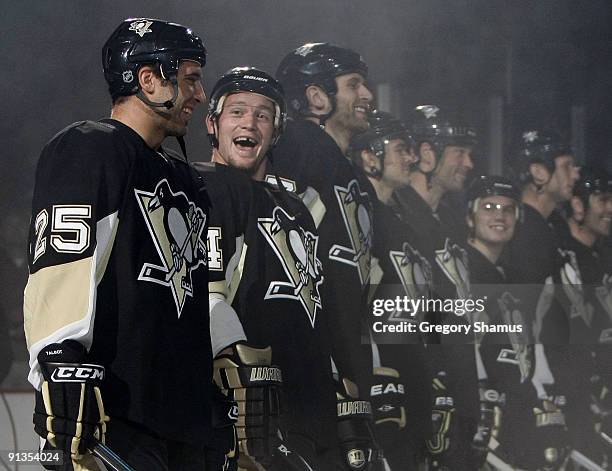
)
(66, 373)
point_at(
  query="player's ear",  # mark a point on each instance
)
(209, 123)
(577, 209)
(469, 220)
(147, 78)
(427, 157)
(368, 159)
(539, 174)
(318, 100)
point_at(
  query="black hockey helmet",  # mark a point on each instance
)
(140, 41)
(316, 64)
(537, 146)
(252, 80)
(429, 126)
(384, 127)
(492, 185)
(592, 181)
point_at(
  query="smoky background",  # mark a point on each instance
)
(503, 65)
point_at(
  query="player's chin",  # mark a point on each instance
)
(177, 130)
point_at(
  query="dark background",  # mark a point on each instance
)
(547, 62)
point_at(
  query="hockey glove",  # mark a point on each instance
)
(222, 455)
(551, 438)
(489, 423)
(69, 412)
(601, 406)
(247, 377)
(358, 447)
(441, 416)
(388, 398)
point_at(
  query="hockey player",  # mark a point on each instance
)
(590, 212)
(115, 308)
(399, 394)
(265, 272)
(506, 359)
(329, 101)
(444, 149)
(544, 166)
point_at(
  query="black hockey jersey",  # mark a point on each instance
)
(406, 273)
(507, 360)
(591, 319)
(117, 260)
(451, 281)
(306, 157)
(263, 259)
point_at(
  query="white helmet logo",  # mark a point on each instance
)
(305, 49)
(127, 76)
(430, 111)
(530, 136)
(141, 27)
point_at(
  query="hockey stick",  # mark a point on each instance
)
(584, 462)
(497, 463)
(109, 457)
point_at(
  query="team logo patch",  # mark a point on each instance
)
(521, 353)
(413, 270)
(141, 27)
(296, 249)
(430, 111)
(572, 286)
(530, 136)
(356, 212)
(356, 458)
(176, 226)
(453, 262)
(604, 294)
(127, 76)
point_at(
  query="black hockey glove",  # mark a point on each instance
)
(358, 447)
(489, 423)
(246, 375)
(388, 398)
(69, 412)
(601, 406)
(551, 437)
(222, 454)
(442, 414)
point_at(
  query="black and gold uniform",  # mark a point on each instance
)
(117, 259)
(263, 260)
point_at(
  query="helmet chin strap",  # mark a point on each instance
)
(168, 104)
(322, 118)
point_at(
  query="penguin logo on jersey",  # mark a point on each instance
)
(572, 286)
(176, 226)
(296, 249)
(355, 208)
(604, 294)
(413, 270)
(521, 353)
(453, 262)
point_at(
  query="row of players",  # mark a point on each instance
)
(289, 241)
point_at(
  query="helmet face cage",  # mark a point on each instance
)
(494, 185)
(142, 41)
(250, 80)
(316, 64)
